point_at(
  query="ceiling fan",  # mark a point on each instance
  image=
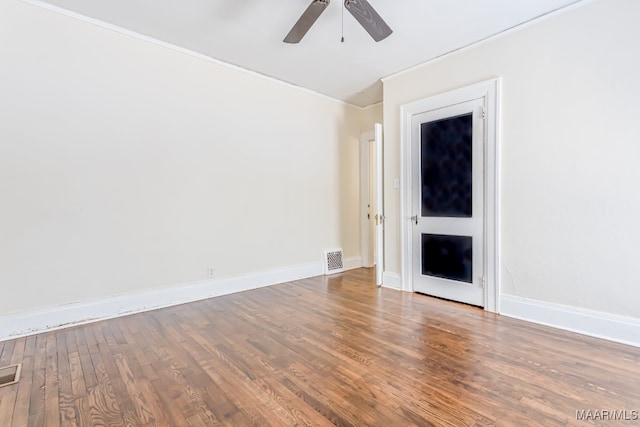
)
(364, 13)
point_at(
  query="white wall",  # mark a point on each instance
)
(370, 116)
(126, 166)
(570, 148)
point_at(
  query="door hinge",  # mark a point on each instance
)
(484, 114)
(483, 282)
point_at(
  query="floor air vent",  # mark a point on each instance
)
(9, 375)
(333, 261)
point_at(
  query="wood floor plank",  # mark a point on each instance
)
(23, 400)
(138, 351)
(37, 395)
(145, 400)
(87, 373)
(51, 396)
(107, 345)
(7, 352)
(66, 397)
(104, 404)
(333, 350)
(206, 396)
(12, 354)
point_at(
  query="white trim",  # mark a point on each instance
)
(508, 31)
(492, 195)
(490, 91)
(391, 280)
(352, 263)
(379, 201)
(625, 330)
(53, 318)
(371, 105)
(134, 34)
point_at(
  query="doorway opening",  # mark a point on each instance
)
(371, 201)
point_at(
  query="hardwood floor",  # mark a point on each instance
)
(318, 352)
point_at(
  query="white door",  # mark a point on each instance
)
(379, 205)
(367, 197)
(447, 155)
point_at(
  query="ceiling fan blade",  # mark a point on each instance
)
(305, 22)
(366, 15)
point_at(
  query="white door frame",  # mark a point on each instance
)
(379, 207)
(490, 91)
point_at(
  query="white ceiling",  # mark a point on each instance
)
(249, 33)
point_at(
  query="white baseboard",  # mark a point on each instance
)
(18, 325)
(625, 330)
(391, 280)
(352, 263)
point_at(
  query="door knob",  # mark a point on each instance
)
(415, 218)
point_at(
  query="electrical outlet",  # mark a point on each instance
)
(211, 272)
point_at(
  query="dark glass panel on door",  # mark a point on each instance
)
(446, 170)
(447, 257)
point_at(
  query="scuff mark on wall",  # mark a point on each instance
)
(512, 280)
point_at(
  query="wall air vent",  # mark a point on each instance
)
(333, 261)
(9, 375)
